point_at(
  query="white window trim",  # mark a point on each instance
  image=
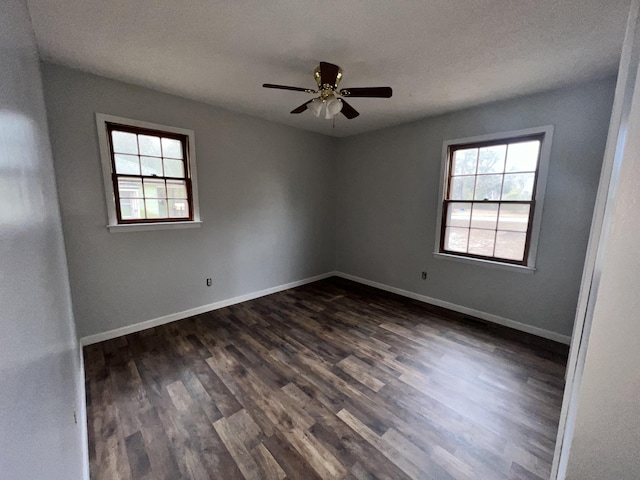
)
(541, 186)
(105, 157)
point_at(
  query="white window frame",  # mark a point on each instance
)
(541, 185)
(105, 156)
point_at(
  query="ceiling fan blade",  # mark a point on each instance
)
(374, 92)
(329, 73)
(285, 87)
(348, 111)
(302, 107)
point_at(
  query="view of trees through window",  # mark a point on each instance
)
(489, 199)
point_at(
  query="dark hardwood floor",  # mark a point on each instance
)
(331, 380)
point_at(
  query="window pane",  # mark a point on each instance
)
(488, 187)
(464, 162)
(149, 145)
(171, 148)
(523, 157)
(518, 186)
(127, 164)
(491, 159)
(462, 188)
(456, 239)
(510, 245)
(132, 208)
(130, 187)
(173, 168)
(156, 208)
(484, 216)
(178, 208)
(124, 142)
(513, 217)
(154, 188)
(151, 166)
(176, 189)
(481, 242)
(458, 215)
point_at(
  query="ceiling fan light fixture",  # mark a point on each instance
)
(334, 106)
(316, 106)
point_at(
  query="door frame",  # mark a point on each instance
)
(601, 222)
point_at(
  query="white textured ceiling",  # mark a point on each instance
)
(438, 55)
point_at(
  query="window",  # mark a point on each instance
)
(492, 195)
(149, 174)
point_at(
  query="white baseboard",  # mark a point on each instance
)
(155, 322)
(489, 317)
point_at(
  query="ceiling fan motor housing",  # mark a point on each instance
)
(327, 77)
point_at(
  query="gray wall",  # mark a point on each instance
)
(387, 199)
(266, 200)
(40, 380)
(281, 205)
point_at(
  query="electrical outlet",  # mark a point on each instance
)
(424, 275)
(209, 282)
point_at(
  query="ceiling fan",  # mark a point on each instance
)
(328, 78)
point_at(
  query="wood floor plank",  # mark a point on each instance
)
(238, 451)
(294, 465)
(114, 462)
(158, 447)
(270, 402)
(315, 453)
(360, 372)
(224, 370)
(137, 453)
(223, 399)
(385, 448)
(332, 380)
(425, 461)
(352, 449)
(179, 396)
(269, 468)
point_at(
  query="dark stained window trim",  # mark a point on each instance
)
(184, 140)
(446, 202)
